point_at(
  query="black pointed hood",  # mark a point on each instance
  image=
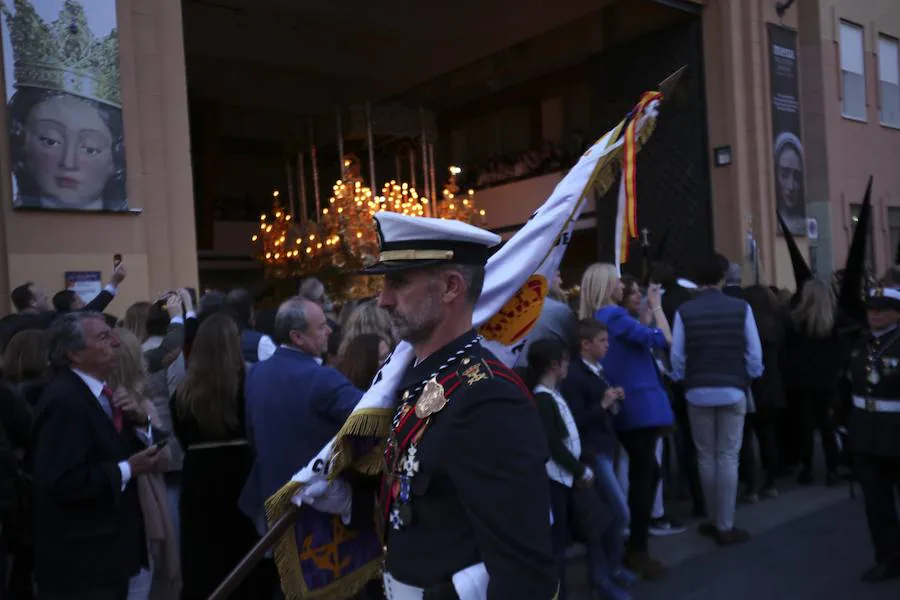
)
(802, 272)
(850, 300)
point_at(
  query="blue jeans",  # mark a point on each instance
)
(604, 560)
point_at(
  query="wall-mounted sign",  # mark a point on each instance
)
(87, 284)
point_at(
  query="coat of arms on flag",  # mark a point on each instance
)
(320, 557)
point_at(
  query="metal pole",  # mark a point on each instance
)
(301, 175)
(412, 167)
(372, 182)
(424, 155)
(434, 197)
(315, 168)
(256, 554)
(290, 185)
(340, 142)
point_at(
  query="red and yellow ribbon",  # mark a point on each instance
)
(629, 172)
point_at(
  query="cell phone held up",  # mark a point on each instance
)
(117, 260)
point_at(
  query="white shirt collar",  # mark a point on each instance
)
(318, 359)
(595, 368)
(94, 384)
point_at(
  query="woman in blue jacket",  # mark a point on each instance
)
(645, 411)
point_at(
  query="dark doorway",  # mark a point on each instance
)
(673, 183)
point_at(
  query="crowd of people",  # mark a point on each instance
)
(138, 453)
(681, 382)
(173, 492)
(549, 158)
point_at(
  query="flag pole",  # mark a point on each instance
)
(256, 554)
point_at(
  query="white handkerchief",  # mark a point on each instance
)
(472, 583)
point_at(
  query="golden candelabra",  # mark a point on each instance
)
(402, 198)
(343, 239)
(462, 208)
(276, 242)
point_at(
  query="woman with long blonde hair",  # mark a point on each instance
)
(600, 286)
(814, 358)
(208, 415)
(815, 313)
(646, 409)
(129, 380)
(367, 318)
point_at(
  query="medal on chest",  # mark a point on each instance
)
(432, 399)
(874, 377)
(875, 362)
(410, 424)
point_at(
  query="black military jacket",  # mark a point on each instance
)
(875, 375)
(479, 490)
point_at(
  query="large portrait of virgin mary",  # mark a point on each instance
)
(64, 113)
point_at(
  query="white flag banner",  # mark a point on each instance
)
(516, 281)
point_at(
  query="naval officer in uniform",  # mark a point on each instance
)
(874, 428)
(464, 497)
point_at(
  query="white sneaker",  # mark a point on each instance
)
(662, 527)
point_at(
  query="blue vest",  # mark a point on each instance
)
(715, 344)
(250, 345)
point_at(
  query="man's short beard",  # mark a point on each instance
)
(419, 326)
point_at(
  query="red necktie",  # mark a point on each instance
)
(116, 412)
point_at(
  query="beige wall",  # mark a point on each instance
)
(856, 149)
(841, 152)
(158, 245)
(737, 89)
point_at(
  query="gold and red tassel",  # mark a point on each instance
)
(629, 174)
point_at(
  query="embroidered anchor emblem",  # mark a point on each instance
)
(474, 374)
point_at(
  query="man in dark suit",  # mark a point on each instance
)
(255, 346)
(294, 404)
(34, 310)
(89, 537)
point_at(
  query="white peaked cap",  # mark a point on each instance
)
(414, 242)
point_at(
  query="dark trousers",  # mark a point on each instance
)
(560, 496)
(879, 477)
(116, 592)
(687, 451)
(814, 412)
(643, 476)
(747, 459)
(764, 425)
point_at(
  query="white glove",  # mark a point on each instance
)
(334, 497)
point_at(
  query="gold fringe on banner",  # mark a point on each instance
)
(367, 422)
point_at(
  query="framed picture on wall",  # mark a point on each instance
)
(63, 102)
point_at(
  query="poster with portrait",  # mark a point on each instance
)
(787, 150)
(63, 104)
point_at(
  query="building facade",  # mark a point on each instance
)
(847, 56)
(845, 115)
(157, 237)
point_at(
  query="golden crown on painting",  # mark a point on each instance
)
(63, 55)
